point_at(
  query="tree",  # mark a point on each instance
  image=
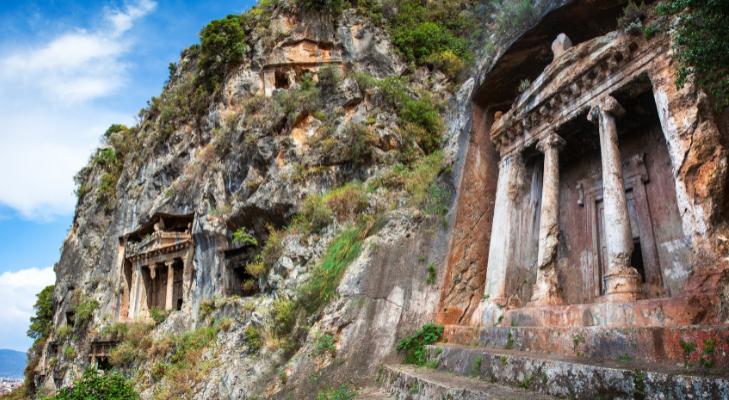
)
(92, 385)
(41, 322)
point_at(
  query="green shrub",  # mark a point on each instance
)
(358, 143)
(158, 315)
(414, 346)
(105, 157)
(701, 44)
(419, 117)
(513, 16)
(270, 253)
(314, 215)
(283, 315)
(305, 98)
(321, 287)
(347, 202)
(432, 275)
(222, 45)
(63, 332)
(92, 385)
(85, 311)
(343, 392)
(325, 344)
(333, 7)
(633, 15)
(69, 353)
(253, 338)
(42, 322)
(421, 41)
(243, 238)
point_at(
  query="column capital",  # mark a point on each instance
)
(606, 105)
(551, 140)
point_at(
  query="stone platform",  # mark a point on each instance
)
(649, 344)
(412, 383)
(571, 377)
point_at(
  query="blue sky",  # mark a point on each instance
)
(69, 69)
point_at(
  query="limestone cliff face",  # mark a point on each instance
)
(247, 163)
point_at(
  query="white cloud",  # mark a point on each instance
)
(49, 107)
(19, 291)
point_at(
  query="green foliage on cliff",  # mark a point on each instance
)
(327, 6)
(419, 116)
(414, 346)
(322, 285)
(433, 33)
(92, 385)
(222, 46)
(343, 392)
(242, 238)
(701, 44)
(85, 311)
(42, 322)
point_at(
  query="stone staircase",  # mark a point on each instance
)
(575, 363)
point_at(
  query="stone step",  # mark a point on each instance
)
(576, 378)
(406, 382)
(664, 345)
(373, 393)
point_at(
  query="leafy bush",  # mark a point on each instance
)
(85, 311)
(328, 6)
(158, 315)
(421, 41)
(417, 180)
(343, 392)
(314, 215)
(283, 314)
(265, 260)
(42, 322)
(305, 98)
(419, 117)
(513, 16)
(700, 44)
(69, 353)
(243, 238)
(105, 157)
(358, 143)
(92, 385)
(321, 287)
(253, 338)
(347, 202)
(135, 341)
(414, 346)
(325, 344)
(222, 45)
(429, 33)
(633, 15)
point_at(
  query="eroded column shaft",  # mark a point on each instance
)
(170, 285)
(546, 289)
(621, 279)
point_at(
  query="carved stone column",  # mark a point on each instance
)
(502, 231)
(546, 290)
(170, 284)
(621, 279)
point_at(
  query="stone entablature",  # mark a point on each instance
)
(569, 86)
(158, 245)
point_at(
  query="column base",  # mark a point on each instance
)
(545, 295)
(623, 285)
